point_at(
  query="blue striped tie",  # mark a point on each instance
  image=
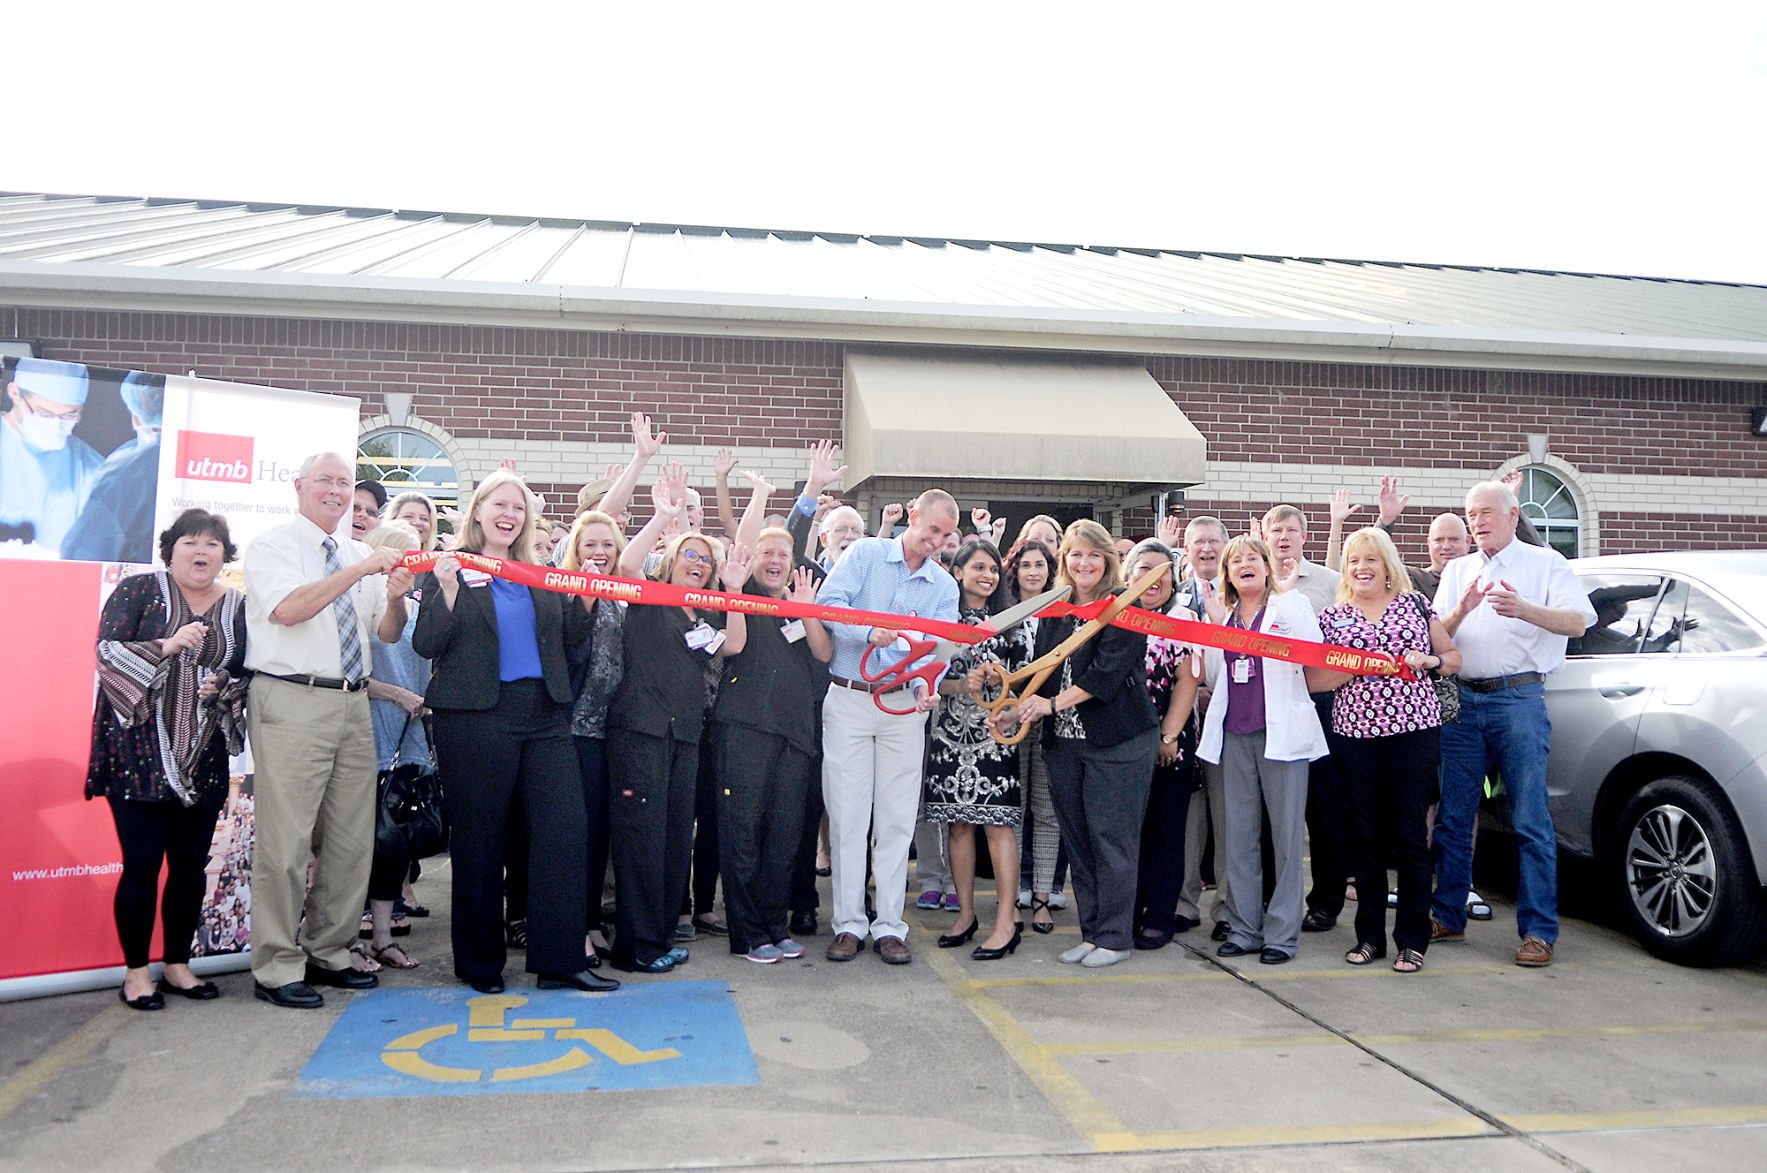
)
(349, 635)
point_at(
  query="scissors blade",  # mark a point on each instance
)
(1013, 616)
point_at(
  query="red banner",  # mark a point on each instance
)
(649, 593)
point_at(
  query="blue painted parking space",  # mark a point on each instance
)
(453, 1042)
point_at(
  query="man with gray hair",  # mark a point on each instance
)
(1511, 608)
(309, 612)
(1204, 539)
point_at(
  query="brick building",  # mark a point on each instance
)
(1062, 378)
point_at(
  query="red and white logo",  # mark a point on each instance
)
(212, 456)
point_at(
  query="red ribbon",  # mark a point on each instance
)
(651, 593)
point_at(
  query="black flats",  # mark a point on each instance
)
(953, 940)
(202, 992)
(153, 1001)
(981, 954)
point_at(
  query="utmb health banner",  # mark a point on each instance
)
(75, 519)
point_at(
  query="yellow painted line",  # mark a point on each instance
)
(1639, 1118)
(1495, 1035)
(569, 1061)
(74, 1046)
(417, 1040)
(1083, 1111)
(1272, 975)
(1293, 1134)
(541, 1023)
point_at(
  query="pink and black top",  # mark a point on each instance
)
(1381, 706)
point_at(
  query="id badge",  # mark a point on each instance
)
(699, 636)
(474, 578)
(792, 631)
(1242, 671)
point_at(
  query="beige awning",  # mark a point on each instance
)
(944, 416)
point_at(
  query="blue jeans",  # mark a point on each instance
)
(1509, 729)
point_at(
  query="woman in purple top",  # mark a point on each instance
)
(1389, 730)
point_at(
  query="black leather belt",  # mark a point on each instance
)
(861, 686)
(321, 681)
(1497, 683)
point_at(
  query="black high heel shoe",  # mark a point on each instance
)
(1018, 934)
(953, 940)
(1038, 926)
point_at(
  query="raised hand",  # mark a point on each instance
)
(614, 471)
(669, 495)
(825, 467)
(723, 463)
(1213, 605)
(1288, 574)
(996, 531)
(761, 484)
(803, 586)
(734, 574)
(508, 465)
(1514, 481)
(1392, 503)
(1171, 531)
(1256, 529)
(448, 572)
(1471, 598)
(892, 513)
(1341, 505)
(981, 519)
(645, 444)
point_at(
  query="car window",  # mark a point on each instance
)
(1624, 605)
(1706, 625)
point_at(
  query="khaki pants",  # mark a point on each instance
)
(313, 750)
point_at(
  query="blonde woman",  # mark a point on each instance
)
(501, 692)
(418, 512)
(1389, 733)
(1100, 740)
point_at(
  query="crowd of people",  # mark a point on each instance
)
(694, 748)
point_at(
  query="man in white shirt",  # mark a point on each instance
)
(309, 611)
(1204, 539)
(1510, 608)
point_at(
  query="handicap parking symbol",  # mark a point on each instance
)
(427, 1042)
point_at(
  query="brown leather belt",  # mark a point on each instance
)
(862, 686)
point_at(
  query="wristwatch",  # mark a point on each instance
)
(1168, 739)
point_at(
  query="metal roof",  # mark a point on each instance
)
(135, 249)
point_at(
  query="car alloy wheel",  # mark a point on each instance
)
(1670, 872)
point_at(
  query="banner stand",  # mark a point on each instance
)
(44, 985)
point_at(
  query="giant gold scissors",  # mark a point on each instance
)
(994, 676)
(892, 679)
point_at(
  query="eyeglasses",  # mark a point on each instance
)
(43, 413)
(331, 482)
(696, 556)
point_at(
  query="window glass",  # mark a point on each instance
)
(1708, 626)
(1548, 502)
(404, 459)
(1624, 605)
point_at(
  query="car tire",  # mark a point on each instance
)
(1688, 882)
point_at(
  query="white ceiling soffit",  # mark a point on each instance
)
(980, 416)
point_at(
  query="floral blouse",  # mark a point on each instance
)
(1381, 706)
(1165, 659)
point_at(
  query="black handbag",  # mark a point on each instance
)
(1447, 688)
(408, 818)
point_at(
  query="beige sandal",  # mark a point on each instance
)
(386, 954)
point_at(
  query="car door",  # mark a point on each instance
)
(1598, 698)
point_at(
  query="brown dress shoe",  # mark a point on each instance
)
(845, 947)
(1444, 936)
(1533, 953)
(894, 950)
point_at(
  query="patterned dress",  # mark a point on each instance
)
(1165, 659)
(970, 777)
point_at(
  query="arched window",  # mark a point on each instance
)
(403, 458)
(1548, 502)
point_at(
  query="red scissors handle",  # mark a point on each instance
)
(895, 677)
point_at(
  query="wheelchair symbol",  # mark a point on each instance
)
(486, 1024)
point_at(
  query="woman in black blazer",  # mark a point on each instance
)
(1100, 743)
(501, 692)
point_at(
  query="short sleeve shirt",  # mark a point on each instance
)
(1381, 706)
(663, 691)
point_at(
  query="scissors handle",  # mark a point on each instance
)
(897, 671)
(995, 675)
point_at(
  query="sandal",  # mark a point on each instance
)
(1041, 926)
(1476, 908)
(360, 961)
(1364, 954)
(386, 953)
(1408, 961)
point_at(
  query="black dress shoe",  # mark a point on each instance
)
(1018, 934)
(149, 1001)
(295, 995)
(1220, 931)
(493, 985)
(593, 961)
(587, 981)
(1318, 922)
(1185, 924)
(1231, 949)
(1147, 940)
(1274, 957)
(803, 924)
(201, 992)
(953, 940)
(343, 979)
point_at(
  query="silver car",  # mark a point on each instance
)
(1659, 747)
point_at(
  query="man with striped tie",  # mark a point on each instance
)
(313, 594)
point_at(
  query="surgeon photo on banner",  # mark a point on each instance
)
(79, 461)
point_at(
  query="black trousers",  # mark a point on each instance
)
(703, 899)
(804, 897)
(1100, 800)
(760, 826)
(1161, 877)
(152, 833)
(519, 749)
(386, 875)
(650, 829)
(1328, 836)
(1391, 782)
(592, 764)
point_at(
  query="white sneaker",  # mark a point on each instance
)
(1024, 898)
(1058, 900)
(1099, 958)
(1077, 953)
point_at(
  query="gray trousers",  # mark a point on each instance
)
(1252, 783)
(1207, 810)
(1101, 798)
